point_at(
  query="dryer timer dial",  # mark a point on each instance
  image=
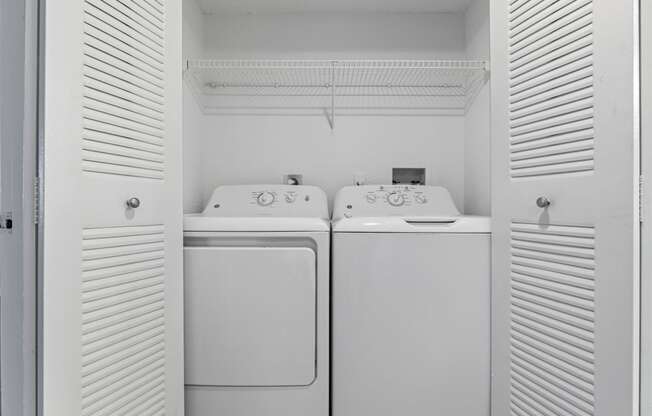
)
(265, 199)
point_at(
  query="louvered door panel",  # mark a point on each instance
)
(564, 208)
(111, 289)
(123, 321)
(552, 323)
(551, 88)
(124, 92)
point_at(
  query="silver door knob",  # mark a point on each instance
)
(133, 202)
(543, 202)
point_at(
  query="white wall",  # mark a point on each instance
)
(261, 149)
(192, 117)
(335, 36)
(477, 165)
(12, 33)
(239, 149)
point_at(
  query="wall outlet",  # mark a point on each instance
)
(359, 178)
(293, 179)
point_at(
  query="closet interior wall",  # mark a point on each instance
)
(193, 119)
(477, 123)
(246, 149)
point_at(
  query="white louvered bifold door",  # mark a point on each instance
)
(111, 315)
(565, 294)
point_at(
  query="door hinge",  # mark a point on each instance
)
(36, 200)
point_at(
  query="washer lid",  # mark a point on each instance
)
(401, 209)
(416, 224)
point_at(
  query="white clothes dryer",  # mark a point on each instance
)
(256, 275)
(411, 304)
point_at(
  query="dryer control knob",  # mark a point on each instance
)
(395, 199)
(290, 198)
(265, 199)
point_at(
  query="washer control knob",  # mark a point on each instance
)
(265, 199)
(371, 198)
(395, 199)
(290, 198)
(421, 199)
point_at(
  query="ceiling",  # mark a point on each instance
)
(332, 6)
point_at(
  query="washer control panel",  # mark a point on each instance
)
(267, 201)
(396, 196)
(393, 200)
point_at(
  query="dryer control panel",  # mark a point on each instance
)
(267, 201)
(393, 200)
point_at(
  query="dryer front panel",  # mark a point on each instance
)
(250, 315)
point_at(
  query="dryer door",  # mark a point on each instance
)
(250, 316)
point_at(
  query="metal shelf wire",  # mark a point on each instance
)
(335, 87)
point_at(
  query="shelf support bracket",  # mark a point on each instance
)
(331, 116)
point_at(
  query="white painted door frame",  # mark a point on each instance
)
(646, 208)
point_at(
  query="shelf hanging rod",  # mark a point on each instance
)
(469, 66)
(216, 85)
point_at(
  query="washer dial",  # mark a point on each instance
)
(265, 199)
(395, 199)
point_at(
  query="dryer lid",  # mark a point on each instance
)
(197, 223)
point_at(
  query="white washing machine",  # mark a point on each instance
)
(411, 304)
(256, 275)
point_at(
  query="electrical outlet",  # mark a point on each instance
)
(293, 179)
(359, 178)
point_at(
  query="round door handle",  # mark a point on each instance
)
(543, 202)
(133, 202)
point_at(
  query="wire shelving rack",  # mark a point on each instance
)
(336, 87)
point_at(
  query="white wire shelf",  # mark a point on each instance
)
(335, 87)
